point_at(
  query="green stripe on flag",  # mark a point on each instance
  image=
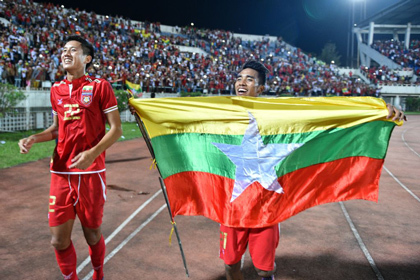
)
(177, 153)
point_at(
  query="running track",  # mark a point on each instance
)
(350, 240)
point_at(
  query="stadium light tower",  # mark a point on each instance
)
(352, 24)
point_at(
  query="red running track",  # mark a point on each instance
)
(350, 240)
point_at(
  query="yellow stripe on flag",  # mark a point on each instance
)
(229, 115)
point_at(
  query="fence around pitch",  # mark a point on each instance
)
(38, 120)
(25, 121)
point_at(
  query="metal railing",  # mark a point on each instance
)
(25, 121)
(38, 120)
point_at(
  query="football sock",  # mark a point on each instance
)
(97, 256)
(67, 261)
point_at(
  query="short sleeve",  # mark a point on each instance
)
(108, 101)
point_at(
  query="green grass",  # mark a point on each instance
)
(9, 149)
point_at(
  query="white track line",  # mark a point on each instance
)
(408, 146)
(117, 230)
(122, 244)
(402, 185)
(361, 243)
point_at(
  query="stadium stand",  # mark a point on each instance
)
(169, 59)
(401, 56)
(183, 59)
(186, 59)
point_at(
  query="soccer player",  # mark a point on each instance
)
(262, 242)
(81, 106)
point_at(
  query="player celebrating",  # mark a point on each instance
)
(81, 106)
(262, 242)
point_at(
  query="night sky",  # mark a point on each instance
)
(307, 24)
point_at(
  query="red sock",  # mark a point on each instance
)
(67, 261)
(97, 256)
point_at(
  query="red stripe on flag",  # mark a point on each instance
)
(200, 193)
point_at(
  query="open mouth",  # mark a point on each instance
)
(241, 91)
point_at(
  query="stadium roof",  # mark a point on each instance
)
(403, 12)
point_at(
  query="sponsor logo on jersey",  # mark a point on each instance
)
(87, 95)
(60, 101)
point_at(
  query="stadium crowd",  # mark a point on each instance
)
(385, 76)
(140, 53)
(395, 50)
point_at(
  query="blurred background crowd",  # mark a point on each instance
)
(31, 35)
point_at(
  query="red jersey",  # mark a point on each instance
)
(80, 106)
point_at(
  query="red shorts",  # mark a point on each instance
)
(81, 194)
(262, 245)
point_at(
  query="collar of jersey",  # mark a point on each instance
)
(77, 82)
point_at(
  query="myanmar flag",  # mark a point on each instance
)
(134, 89)
(254, 162)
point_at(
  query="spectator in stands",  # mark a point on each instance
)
(3, 73)
(18, 77)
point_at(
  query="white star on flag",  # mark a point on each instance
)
(255, 161)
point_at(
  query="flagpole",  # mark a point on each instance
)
(162, 185)
(174, 224)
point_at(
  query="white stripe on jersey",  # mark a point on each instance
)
(90, 80)
(78, 172)
(110, 109)
(57, 84)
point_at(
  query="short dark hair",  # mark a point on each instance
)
(259, 67)
(86, 47)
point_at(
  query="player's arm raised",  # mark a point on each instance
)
(50, 133)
